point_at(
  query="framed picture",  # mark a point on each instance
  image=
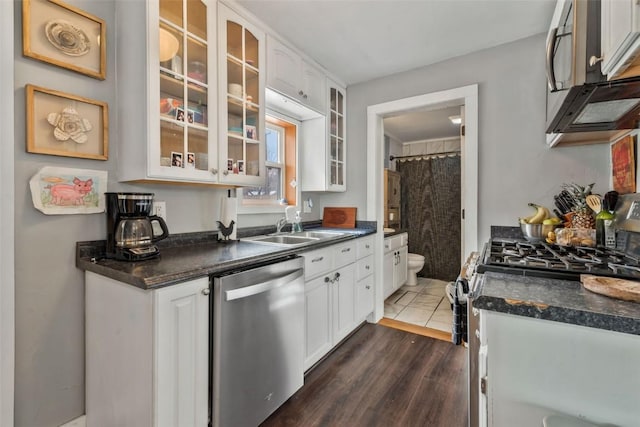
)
(62, 124)
(180, 114)
(60, 34)
(251, 132)
(241, 167)
(191, 160)
(176, 159)
(623, 165)
(59, 191)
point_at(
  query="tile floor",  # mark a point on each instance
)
(424, 305)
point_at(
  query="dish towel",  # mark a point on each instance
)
(228, 213)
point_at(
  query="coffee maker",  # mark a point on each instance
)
(130, 227)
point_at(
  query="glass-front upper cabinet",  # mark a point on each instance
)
(167, 74)
(337, 144)
(184, 90)
(242, 87)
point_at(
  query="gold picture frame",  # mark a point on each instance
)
(63, 35)
(62, 124)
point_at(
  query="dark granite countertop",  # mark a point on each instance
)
(191, 256)
(556, 300)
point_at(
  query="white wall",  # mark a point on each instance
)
(515, 166)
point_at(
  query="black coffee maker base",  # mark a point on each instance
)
(135, 254)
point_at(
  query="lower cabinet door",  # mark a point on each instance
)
(401, 266)
(388, 268)
(181, 371)
(364, 298)
(317, 320)
(343, 295)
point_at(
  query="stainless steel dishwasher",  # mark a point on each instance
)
(258, 342)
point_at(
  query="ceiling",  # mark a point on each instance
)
(361, 40)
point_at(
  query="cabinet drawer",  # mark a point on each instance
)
(364, 247)
(344, 254)
(317, 262)
(364, 267)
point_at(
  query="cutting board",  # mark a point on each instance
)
(339, 218)
(627, 290)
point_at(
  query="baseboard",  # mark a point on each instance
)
(81, 421)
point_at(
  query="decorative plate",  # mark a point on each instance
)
(67, 38)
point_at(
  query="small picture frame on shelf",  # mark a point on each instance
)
(62, 124)
(251, 132)
(180, 114)
(241, 167)
(190, 115)
(230, 165)
(191, 160)
(65, 36)
(176, 159)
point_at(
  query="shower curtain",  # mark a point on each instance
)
(430, 203)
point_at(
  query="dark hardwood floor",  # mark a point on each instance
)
(382, 377)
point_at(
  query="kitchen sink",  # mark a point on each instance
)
(295, 239)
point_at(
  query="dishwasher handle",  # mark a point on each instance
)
(259, 288)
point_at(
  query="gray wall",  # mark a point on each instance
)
(514, 164)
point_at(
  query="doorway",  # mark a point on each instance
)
(467, 96)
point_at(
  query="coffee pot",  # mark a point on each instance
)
(130, 232)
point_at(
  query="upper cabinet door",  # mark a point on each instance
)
(295, 77)
(165, 63)
(620, 38)
(241, 86)
(337, 180)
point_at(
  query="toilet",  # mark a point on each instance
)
(415, 263)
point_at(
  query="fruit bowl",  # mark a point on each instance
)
(536, 232)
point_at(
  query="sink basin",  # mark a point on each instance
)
(295, 239)
(282, 240)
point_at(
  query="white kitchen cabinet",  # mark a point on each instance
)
(620, 38)
(534, 367)
(324, 150)
(241, 112)
(365, 268)
(147, 353)
(395, 259)
(295, 77)
(331, 301)
(166, 87)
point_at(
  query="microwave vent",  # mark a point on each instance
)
(606, 111)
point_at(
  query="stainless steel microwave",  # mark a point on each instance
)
(582, 106)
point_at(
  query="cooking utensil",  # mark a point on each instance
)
(593, 201)
(536, 232)
(610, 200)
(627, 290)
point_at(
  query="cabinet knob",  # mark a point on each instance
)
(367, 287)
(305, 96)
(206, 291)
(367, 246)
(366, 267)
(327, 280)
(214, 171)
(336, 276)
(300, 93)
(226, 172)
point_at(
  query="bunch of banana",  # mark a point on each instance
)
(541, 216)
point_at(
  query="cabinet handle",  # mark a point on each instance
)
(367, 287)
(214, 171)
(206, 291)
(320, 258)
(366, 267)
(345, 250)
(336, 276)
(367, 246)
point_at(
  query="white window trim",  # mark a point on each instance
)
(264, 208)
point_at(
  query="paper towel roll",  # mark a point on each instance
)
(228, 213)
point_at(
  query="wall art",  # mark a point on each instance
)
(623, 165)
(62, 124)
(59, 191)
(60, 34)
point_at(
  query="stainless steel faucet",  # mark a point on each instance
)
(280, 224)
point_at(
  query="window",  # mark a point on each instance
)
(279, 186)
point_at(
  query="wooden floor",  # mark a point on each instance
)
(382, 377)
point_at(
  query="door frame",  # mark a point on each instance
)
(467, 96)
(7, 303)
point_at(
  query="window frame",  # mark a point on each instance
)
(256, 206)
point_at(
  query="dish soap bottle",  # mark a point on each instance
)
(297, 225)
(605, 234)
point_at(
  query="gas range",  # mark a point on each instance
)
(556, 262)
